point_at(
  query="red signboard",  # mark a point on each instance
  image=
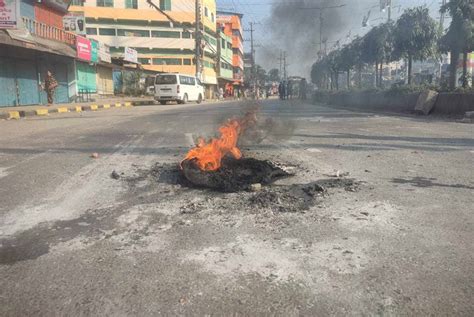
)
(83, 48)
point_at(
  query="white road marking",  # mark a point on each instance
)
(314, 150)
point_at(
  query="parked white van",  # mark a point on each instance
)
(177, 87)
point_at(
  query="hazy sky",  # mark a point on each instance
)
(287, 25)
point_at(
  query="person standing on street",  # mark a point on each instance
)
(50, 85)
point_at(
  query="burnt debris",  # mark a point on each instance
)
(234, 175)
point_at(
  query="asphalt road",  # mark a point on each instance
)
(75, 241)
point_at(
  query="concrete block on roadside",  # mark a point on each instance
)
(75, 109)
(90, 108)
(59, 110)
(118, 105)
(13, 115)
(469, 114)
(106, 106)
(42, 112)
(128, 104)
(426, 101)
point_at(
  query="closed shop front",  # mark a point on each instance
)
(105, 82)
(86, 78)
(18, 82)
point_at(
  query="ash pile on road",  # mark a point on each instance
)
(234, 175)
(292, 198)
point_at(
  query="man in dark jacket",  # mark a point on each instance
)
(50, 85)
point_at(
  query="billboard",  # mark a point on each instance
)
(104, 53)
(9, 14)
(130, 55)
(94, 51)
(74, 22)
(83, 48)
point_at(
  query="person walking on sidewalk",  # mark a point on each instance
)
(50, 85)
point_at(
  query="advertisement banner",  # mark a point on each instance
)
(74, 22)
(130, 55)
(8, 14)
(104, 53)
(83, 48)
(94, 51)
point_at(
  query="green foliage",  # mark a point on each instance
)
(460, 34)
(377, 44)
(273, 75)
(415, 34)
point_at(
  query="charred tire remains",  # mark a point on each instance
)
(234, 175)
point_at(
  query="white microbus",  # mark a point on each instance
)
(177, 87)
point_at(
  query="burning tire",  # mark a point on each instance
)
(234, 174)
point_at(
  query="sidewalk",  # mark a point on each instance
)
(100, 104)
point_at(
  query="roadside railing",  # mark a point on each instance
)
(49, 31)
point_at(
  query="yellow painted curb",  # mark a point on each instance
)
(42, 112)
(94, 107)
(63, 109)
(78, 108)
(128, 104)
(118, 105)
(13, 115)
(106, 106)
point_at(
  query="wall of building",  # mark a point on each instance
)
(161, 47)
(47, 15)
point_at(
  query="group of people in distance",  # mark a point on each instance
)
(289, 89)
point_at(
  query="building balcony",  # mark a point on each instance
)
(49, 32)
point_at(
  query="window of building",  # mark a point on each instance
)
(77, 3)
(186, 61)
(212, 16)
(166, 34)
(223, 43)
(186, 35)
(165, 5)
(131, 4)
(107, 32)
(167, 61)
(206, 11)
(91, 31)
(229, 45)
(144, 61)
(133, 33)
(105, 3)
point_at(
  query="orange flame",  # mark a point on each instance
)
(208, 156)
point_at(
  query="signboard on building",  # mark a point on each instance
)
(9, 14)
(94, 51)
(104, 53)
(59, 5)
(83, 48)
(130, 55)
(75, 22)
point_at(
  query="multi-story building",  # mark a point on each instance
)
(225, 74)
(30, 46)
(231, 25)
(162, 46)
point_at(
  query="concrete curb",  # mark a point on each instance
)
(8, 115)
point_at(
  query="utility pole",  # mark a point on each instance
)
(252, 54)
(285, 75)
(280, 60)
(389, 9)
(197, 34)
(441, 18)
